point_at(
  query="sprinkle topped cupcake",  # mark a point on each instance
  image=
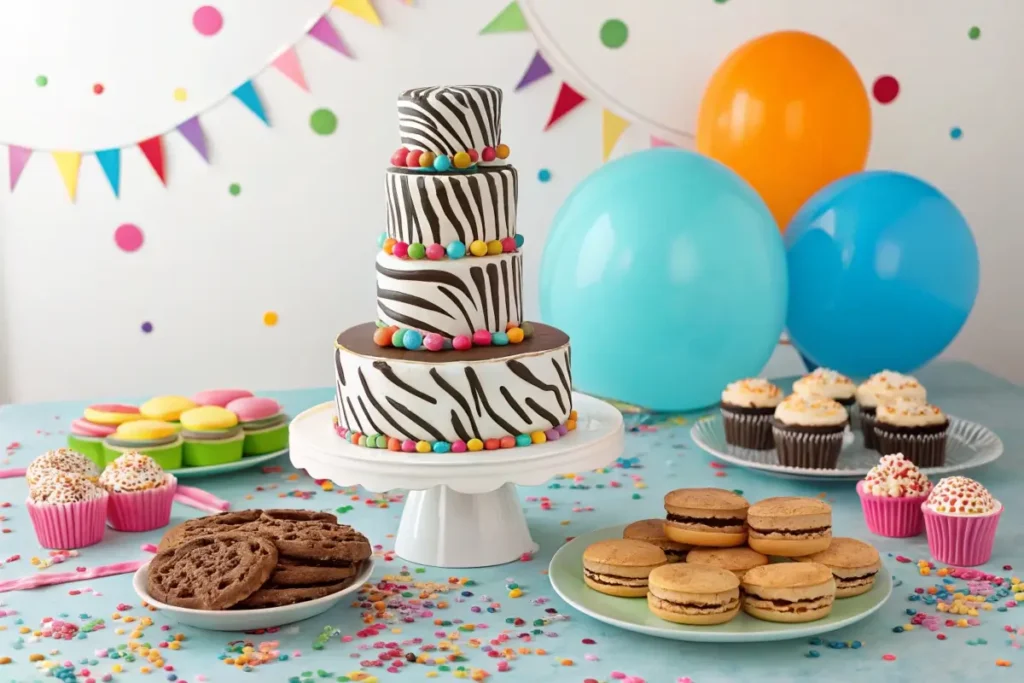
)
(747, 407)
(917, 430)
(961, 518)
(891, 496)
(55, 487)
(896, 477)
(752, 393)
(132, 471)
(68, 510)
(883, 387)
(808, 432)
(61, 460)
(961, 496)
(141, 493)
(826, 383)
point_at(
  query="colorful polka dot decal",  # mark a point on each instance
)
(270, 318)
(235, 189)
(208, 20)
(98, 88)
(956, 133)
(323, 121)
(42, 80)
(543, 175)
(128, 237)
(147, 327)
(885, 89)
(614, 33)
(974, 33)
(180, 94)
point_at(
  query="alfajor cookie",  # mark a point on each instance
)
(653, 531)
(693, 594)
(706, 517)
(789, 592)
(620, 566)
(736, 560)
(789, 526)
(854, 565)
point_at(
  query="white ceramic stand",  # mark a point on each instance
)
(463, 509)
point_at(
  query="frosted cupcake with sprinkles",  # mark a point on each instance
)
(961, 518)
(747, 407)
(891, 496)
(917, 430)
(808, 432)
(825, 383)
(61, 460)
(883, 387)
(141, 493)
(68, 510)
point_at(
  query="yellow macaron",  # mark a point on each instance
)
(145, 430)
(208, 419)
(111, 413)
(167, 408)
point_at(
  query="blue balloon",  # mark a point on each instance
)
(883, 271)
(668, 273)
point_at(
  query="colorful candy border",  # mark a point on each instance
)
(418, 159)
(413, 340)
(453, 250)
(391, 443)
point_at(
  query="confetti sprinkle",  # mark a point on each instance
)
(128, 237)
(614, 33)
(208, 20)
(323, 121)
(543, 175)
(885, 89)
(955, 133)
(270, 318)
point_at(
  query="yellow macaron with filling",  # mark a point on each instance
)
(208, 419)
(145, 430)
(167, 408)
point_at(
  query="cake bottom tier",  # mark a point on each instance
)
(483, 393)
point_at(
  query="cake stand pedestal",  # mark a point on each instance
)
(462, 509)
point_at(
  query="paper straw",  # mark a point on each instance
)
(11, 474)
(40, 580)
(191, 502)
(202, 496)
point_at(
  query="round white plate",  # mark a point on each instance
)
(566, 574)
(243, 464)
(968, 445)
(250, 619)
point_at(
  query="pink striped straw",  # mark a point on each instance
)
(193, 503)
(40, 580)
(11, 474)
(201, 496)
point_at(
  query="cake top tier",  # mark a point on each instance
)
(449, 119)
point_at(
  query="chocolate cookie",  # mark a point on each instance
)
(277, 597)
(300, 516)
(290, 573)
(212, 572)
(313, 540)
(206, 526)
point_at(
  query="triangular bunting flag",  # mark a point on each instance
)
(538, 69)
(359, 8)
(658, 142)
(153, 148)
(324, 31)
(247, 95)
(17, 157)
(193, 132)
(612, 128)
(568, 99)
(110, 162)
(68, 164)
(288, 64)
(508, 21)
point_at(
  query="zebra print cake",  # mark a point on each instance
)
(451, 118)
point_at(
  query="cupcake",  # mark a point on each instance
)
(824, 383)
(68, 510)
(166, 408)
(141, 493)
(960, 518)
(747, 407)
(100, 421)
(219, 397)
(891, 496)
(882, 387)
(157, 439)
(917, 430)
(808, 432)
(212, 436)
(265, 426)
(61, 460)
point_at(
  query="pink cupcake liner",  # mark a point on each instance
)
(65, 526)
(892, 517)
(142, 510)
(961, 541)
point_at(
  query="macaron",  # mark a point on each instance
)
(265, 426)
(789, 592)
(789, 526)
(854, 565)
(706, 517)
(693, 594)
(620, 567)
(87, 438)
(653, 531)
(168, 408)
(158, 439)
(219, 397)
(111, 413)
(212, 436)
(736, 560)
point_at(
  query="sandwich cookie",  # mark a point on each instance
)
(653, 531)
(265, 426)
(693, 594)
(166, 408)
(212, 436)
(789, 527)
(706, 517)
(854, 565)
(620, 567)
(219, 397)
(736, 560)
(789, 592)
(155, 438)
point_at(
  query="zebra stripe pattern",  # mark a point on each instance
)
(440, 208)
(450, 297)
(450, 119)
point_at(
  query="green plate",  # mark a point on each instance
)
(210, 470)
(566, 574)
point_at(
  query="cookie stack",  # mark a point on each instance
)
(251, 559)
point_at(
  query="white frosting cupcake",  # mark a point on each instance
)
(909, 413)
(826, 383)
(961, 496)
(752, 393)
(886, 386)
(811, 412)
(896, 477)
(61, 460)
(57, 488)
(133, 471)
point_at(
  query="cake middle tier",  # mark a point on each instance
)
(450, 297)
(440, 208)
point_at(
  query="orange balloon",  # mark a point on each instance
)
(789, 113)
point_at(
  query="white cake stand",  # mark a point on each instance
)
(462, 509)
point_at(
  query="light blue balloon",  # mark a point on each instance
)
(668, 273)
(883, 272)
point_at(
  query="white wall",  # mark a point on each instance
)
(300, 238)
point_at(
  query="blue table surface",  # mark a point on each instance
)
(659, 456)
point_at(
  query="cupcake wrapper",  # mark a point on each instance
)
(813, 451)
(961, 541)
(892, 517)
(68, 526)
(142, 510)
(867, 428)
(924, 450)
(748, 431)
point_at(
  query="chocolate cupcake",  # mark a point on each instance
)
(808, 432)
(825, 383)
(883, 387)
(917, 430)
(747, 408)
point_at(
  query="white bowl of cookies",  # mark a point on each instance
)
(253, 569)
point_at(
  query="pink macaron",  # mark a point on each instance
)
(82, 427)
(252, 408)
(219, 397)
